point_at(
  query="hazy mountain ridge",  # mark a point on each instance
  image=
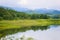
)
(39, 11)
(50, 11)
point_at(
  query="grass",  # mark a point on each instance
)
(8, 24)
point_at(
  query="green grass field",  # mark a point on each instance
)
(8, 24)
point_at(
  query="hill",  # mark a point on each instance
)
(11, 14)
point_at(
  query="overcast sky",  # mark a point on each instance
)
(32, 4)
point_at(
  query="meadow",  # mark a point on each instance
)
(8, 24)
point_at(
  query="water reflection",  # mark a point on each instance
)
(51, 34)
(22, 29)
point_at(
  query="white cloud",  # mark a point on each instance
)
(9, 3)
(32, 4)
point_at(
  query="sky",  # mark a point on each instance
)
(32, 4)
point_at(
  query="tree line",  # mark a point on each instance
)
(10, 14)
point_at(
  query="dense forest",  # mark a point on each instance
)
(11, 14)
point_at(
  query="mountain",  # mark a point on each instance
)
(48, 11)
(20, 9)
(24, 10)
(39, 11)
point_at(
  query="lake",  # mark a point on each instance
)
(52, 33)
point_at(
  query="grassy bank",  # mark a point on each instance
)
(7, 24)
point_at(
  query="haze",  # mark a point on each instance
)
(32, 4)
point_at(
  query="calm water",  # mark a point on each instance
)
(50, 34)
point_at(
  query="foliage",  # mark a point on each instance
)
(10, 14)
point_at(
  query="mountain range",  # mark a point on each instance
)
(39, 11)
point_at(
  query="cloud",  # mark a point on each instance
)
(9, 3)
(32, 4)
